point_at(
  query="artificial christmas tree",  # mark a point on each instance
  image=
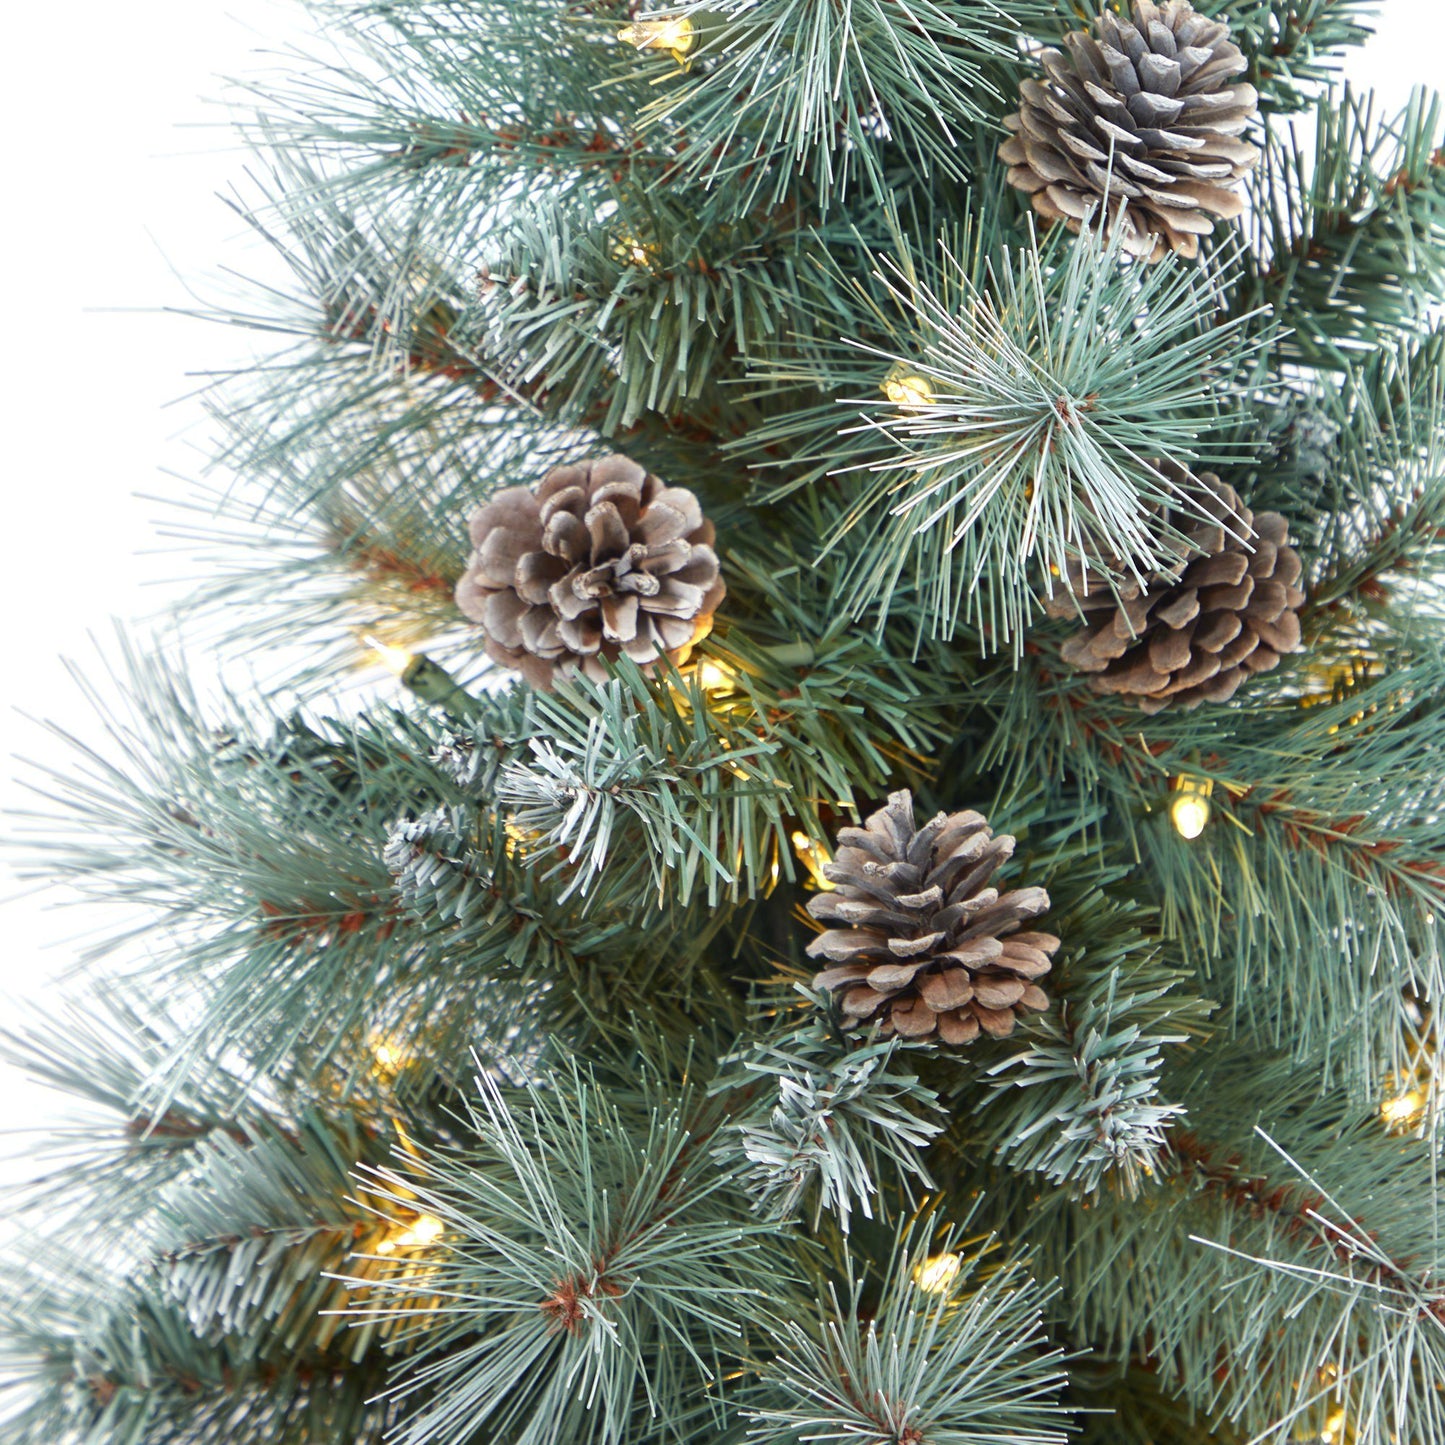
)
(780, 389)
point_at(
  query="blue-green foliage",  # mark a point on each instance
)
(778, 261)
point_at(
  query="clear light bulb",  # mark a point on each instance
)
(1403, 1111)
(395, 660)
(937, 1272)
(423, 1231)
(813, 856)
(1190, 813)
(1190, 809)
(904, 387)
(676, 35)
(389, 1059)
(714, 676)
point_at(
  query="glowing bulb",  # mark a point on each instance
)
(674, 34)
(1190, 813)
(628, 248)
(632, 250)
(424, 1231)
(389, 1059)
(904, 387)
(395, 660)
(1334, 1427)
(714, 676)
(937, 1272)
(1404, 1111)
(515, 839)
(1191, 808)
(813, 856)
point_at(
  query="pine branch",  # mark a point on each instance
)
(119, 1364)
(1322, 1298)
(595, 1274)
(1347, 245)
(945, 1349)
(1038, 390)
(821, 1112)
(106, 1056)
(776, 99)
(1294, 45)
(1092, 1108)
(649, 313)
(262, 869)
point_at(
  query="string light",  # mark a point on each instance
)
(676, 35)
(813, 856)
(1190, 809)
(516, 839)
(1402, 1112)
(421, 1233)
(1334, 1430)
(1336, 681)
(395, 660)
(715, 676)
(934, 1274)
(388, 1059)
(420, 675)
(904, 387)
(627, 247)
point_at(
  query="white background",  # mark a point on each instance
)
(115, 150)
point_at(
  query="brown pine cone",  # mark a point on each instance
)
(600, 560)
(1196, 632)
(1155, 96)
(924, 945)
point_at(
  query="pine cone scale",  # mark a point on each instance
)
(1214, 633)
(913, 1019)
(500, 555)
(997, 993)
(1227, 569)
(861, 1003)
(983, 951)
(1180, 612)
(950, 989)
(957, 1028)
(1026, 961)
(1280, 636)
(535, 576)
(540, 633)
(913, 947)
(966, 908)
(888, 978)
(996, 1023)
(840, 945)
(1169, 651)
(929, 950)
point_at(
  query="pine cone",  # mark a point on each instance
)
(1195, 632)
(925, 945)
(1155, 97)
(602, 559)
